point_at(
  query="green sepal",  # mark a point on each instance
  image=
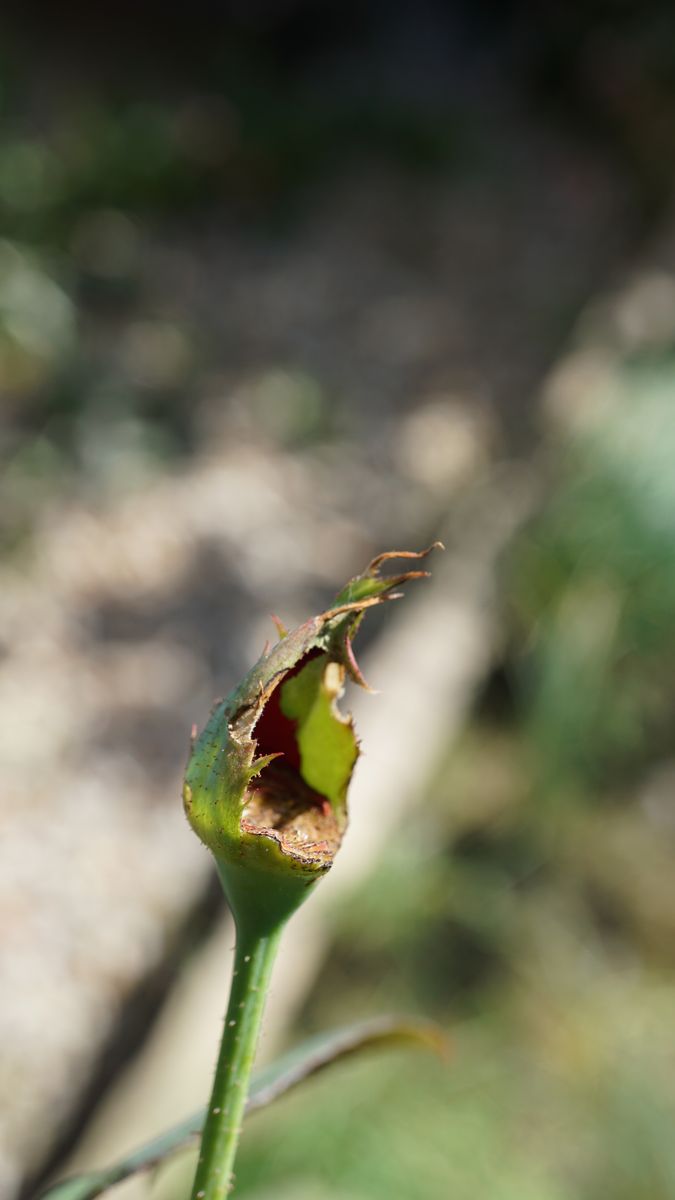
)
(327, 744)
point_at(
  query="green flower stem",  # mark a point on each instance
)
(254, 958)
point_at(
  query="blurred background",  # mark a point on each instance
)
(283, 285)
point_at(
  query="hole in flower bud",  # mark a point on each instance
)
(299, 799)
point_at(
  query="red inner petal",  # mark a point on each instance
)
(279, 803)
(274, 732)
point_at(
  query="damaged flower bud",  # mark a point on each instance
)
(266, 784)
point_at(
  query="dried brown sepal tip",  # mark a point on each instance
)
(367, 590)
(266, 784)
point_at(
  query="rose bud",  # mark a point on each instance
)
(267, 780)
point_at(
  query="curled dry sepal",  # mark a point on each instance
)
(266, 784)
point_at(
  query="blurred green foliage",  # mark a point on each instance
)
(592, 583)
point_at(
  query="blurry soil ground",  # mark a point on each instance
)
(223, 416)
